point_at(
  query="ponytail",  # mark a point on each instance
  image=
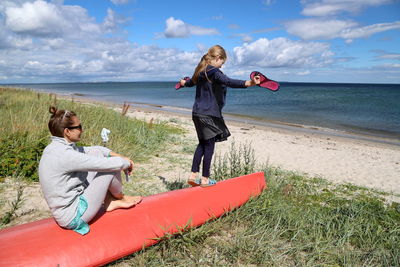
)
(216, 51)
(200, 67)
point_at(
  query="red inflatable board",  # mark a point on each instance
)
(122, 232)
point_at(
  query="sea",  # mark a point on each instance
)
(369, 111)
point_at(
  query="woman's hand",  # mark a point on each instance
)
(131, 164)
(182, 82)
(130, 168)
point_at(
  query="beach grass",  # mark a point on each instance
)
(24, 116)
(298, 220)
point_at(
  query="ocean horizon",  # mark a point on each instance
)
(367, 109)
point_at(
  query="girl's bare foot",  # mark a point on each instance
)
(193, 176)
(192, 179)
(125, 202)
(206, 182)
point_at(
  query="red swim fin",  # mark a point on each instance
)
(265, 82)
(178, 85)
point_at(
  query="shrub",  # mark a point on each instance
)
(20, 155)
(236, 162)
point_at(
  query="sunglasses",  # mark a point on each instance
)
(75, 127)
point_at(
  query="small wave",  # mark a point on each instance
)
(79, 94)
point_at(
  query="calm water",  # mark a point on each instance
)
(359, 108)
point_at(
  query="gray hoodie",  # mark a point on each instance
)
(62, 174)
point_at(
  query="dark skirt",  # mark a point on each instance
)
(208, 127)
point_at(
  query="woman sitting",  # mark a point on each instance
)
(78, 181)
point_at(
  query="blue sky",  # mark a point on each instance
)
(356, 41)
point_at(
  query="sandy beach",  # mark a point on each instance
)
(346, 158)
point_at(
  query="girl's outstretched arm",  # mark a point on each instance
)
(233, 83)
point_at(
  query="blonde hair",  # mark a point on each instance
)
(214, 52)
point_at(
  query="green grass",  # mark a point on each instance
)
(24, 116)
(297, 221)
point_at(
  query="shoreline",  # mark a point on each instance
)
(350, 131)
(243, 119)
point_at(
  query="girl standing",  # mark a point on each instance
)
(211, 86)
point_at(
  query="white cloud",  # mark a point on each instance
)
(93, 59)
(37, 18)
(176, 28)
(43, 19)
(333, 7)
(390, 56)
(197, 30)
(49, 41)
(8, 41)
(268, 2)
(282, 52)
(113, 20)
(320, 29)
(244, 36)
(312, 29)
(362, 32)
(389, 67)
(233, 26)
(44, 41)
(220, 17)
(247, 38)
(383, 55)
(120, 2)
(303, 73)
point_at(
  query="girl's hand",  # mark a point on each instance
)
(256, 79)
(182, 82)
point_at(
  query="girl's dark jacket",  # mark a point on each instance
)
(211, 92)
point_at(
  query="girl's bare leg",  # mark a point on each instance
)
(192, 179)
(193, 176)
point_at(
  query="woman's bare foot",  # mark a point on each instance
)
(134, 199)
(125, 202)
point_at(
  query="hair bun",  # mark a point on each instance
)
(53, 110)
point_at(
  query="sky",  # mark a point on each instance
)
(345, 41)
